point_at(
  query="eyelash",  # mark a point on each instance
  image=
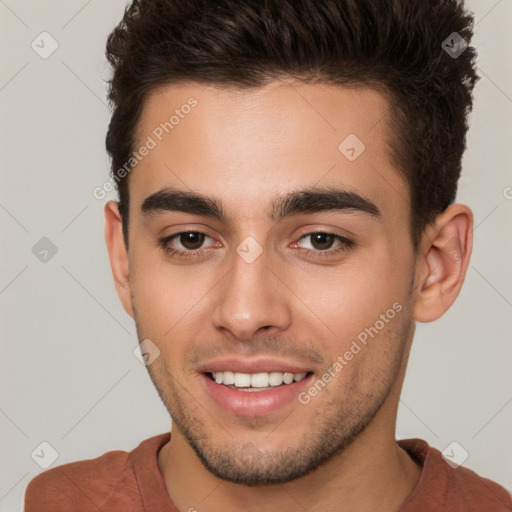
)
(345, 244)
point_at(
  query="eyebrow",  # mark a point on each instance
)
(309, 200)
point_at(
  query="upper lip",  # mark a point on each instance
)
(259, 365)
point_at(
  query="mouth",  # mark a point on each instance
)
(255, 392)
(255, 382)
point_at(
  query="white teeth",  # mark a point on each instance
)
(229, 378)
(275, 378)
(256, 380)
(288, 378)
(242, 380)
(259, 380)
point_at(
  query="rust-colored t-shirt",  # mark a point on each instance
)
(131, 482)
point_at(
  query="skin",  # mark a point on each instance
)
(245, 149)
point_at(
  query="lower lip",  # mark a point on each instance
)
(254, 403)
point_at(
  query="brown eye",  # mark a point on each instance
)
(321, 244)
(322, 241)
(188, 244)
(192, 240)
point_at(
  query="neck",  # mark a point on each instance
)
(372, 473)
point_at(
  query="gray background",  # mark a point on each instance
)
(68, 373)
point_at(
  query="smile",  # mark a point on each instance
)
(255, 394)
(261, 381)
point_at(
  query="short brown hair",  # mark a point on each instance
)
(400, 47)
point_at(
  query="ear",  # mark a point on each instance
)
(118, 254)
(443, 261)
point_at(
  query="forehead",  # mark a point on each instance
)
(244, 146)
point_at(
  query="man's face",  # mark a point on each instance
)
(255, 288)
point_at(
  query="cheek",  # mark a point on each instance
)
(171, 304)
(350, 298)
(161, 286)
(364, 359)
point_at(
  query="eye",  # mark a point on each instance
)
(321, 243)
(191, 240)
(184, 244)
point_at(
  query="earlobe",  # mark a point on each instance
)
(444, 259)
(118, 254)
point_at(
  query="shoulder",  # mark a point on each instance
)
(444, 484)
(477, 492)
(83, 484)
(110, 482)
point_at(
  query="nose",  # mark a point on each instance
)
(251, 299)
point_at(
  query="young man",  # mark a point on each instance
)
(287, 173)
